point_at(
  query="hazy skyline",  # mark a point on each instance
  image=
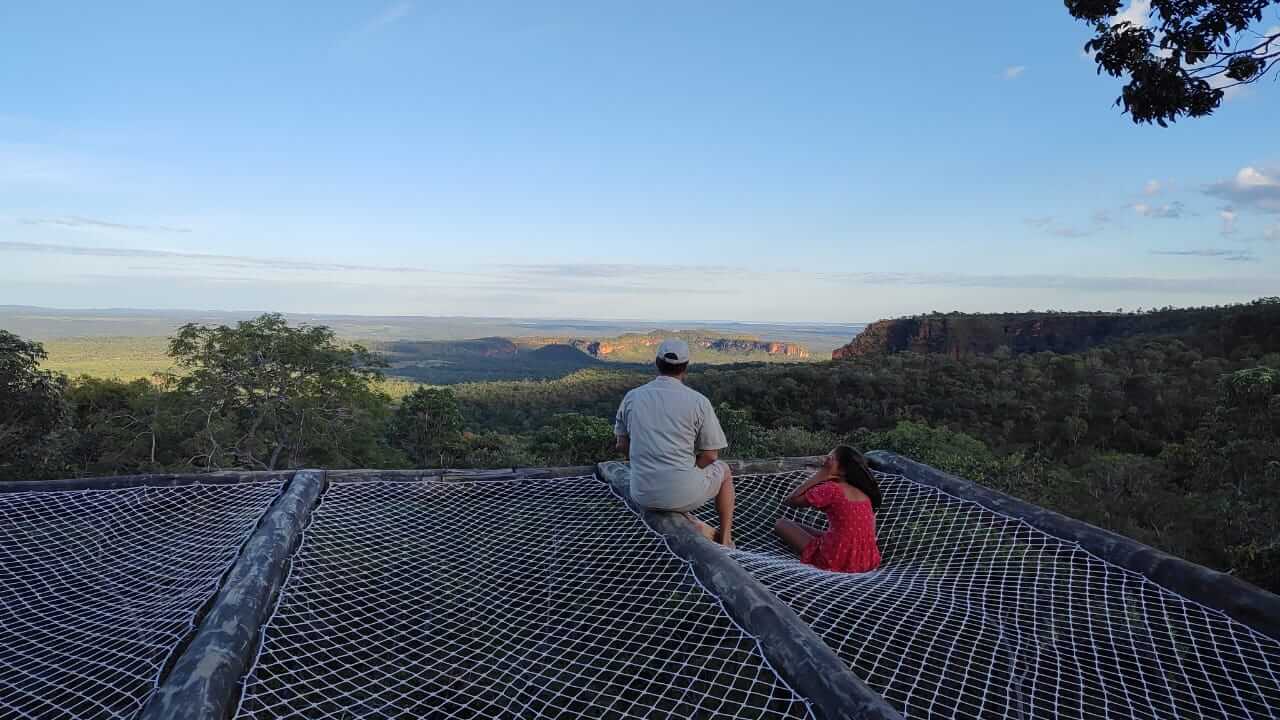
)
(817, 162)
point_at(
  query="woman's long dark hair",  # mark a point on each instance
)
(854, 469)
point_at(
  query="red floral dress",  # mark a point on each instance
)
(849, 545)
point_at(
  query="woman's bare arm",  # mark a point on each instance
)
(797, 496)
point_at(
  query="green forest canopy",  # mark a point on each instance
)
(1170, 436)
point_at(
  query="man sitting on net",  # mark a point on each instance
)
(672, 437)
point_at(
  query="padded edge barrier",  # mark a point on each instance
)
(118, 482)
(205, 680)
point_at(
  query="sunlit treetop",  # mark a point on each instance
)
(1184, 58)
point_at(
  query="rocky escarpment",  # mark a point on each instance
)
(961, 335)
(784, 349)
(633, 346)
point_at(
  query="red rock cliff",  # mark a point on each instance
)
(632, 343)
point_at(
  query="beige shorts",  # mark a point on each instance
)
(706, 481)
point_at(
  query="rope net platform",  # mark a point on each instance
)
(974, 614)
(512, 599)
(550, 598)
(98, 588)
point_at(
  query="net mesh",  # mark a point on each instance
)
(98, 588)
(974, 614)
(530, 599)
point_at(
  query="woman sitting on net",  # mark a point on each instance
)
(846, 491)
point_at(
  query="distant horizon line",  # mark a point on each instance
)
(512, 318)
(650, 323)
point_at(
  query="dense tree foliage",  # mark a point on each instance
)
(1182, 58)
(428, 427)
(33, 414)
(521, 406)
(1171, 436)
(572, 439)
(269, 395)
(129, 428)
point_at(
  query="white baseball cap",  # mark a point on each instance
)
(674, 351)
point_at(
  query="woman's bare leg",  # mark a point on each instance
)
(795, 535)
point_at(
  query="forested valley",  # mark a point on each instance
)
(1171, 436)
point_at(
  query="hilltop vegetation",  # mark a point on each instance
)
(1219, 331)
(440, 362)
(709, 348)
(486, 359)
(1171, 435)
(122, 358)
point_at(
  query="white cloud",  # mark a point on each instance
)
(1053, 226)
(392, 14)
(237, 262)
(1228, 221)
(1089, 283)
(1271, 234)
(1168, 210)
(1232, 89)
(1138, 13)
(38, 165)
(1250, 189)
(1152, 187)
(75, 221)
(1251, 177)
(1220, 253)
(1013, 72)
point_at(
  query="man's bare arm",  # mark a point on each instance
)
(706, 457)
(624, 446)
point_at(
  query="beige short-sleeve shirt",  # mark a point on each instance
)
(668, 424)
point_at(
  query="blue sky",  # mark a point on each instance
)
(670, 161)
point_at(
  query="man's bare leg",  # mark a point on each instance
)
(706, 530)
(724, 506)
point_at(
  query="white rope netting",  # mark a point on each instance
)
(974, 614)
(99, 587)
(507, 599)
